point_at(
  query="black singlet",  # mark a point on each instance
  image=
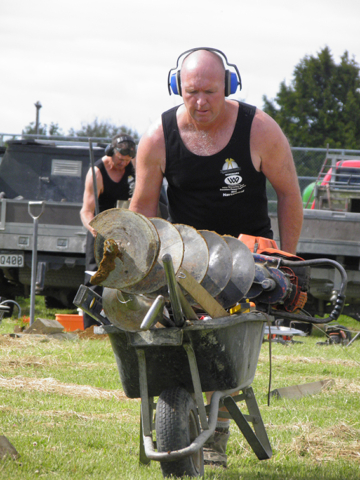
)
(222, 192)
(114, 191)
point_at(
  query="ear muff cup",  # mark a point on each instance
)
(109, 150)
(231, 83)
(232, 79)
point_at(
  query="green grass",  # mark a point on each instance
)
(62, 407)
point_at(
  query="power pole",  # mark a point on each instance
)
(37, 123)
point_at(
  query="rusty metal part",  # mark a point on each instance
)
(125, 311)
(170, 243)
(220, 263)
(196, 253)
(107, 264)
(138, 244)
(243, 273)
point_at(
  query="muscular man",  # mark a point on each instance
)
(115, 180)
(216, 154)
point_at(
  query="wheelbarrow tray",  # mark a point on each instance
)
(226, 349)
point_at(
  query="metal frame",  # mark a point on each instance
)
(256, 436)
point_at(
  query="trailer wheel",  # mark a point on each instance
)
(177, 425)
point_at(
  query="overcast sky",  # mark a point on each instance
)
(110, 59)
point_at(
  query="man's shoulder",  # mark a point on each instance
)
(171, 110)
(152, 144)
(263, 123)
(155, 133)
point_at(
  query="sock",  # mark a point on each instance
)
(222, 426)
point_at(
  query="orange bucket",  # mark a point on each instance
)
(70, 322)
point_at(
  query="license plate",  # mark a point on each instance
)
(11, 260)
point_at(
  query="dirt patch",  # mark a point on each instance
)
(89, 334)
(329, 444)
(311, 360)
(50, 385)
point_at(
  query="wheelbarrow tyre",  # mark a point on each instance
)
(177, 425)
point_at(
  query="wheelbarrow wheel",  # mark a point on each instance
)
(177, 425)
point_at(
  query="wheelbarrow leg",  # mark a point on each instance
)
(146, 406)
(258, 424)
(143, 459)
(257, 440)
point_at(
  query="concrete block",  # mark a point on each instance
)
(43, 326)
(299, 391)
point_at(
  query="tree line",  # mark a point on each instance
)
(320, 107)
(97, 128)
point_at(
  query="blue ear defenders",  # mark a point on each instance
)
(232, 79)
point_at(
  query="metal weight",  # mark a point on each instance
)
(126, 248)
(170, 243)
(125, 311)
(243, 273)
(220, 263)
(196, 252)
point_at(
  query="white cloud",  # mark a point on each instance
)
(110, 59)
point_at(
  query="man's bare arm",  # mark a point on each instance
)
(150, 167)
(276, 162)
(87, 211)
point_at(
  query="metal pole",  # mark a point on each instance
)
(34, 257)
(92, 164)
(37, 123)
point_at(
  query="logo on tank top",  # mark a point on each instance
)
(232, 178)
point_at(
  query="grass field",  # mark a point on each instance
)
(63, 409)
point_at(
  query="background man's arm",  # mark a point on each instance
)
(150, 167)
(87, 211)
(277, 164)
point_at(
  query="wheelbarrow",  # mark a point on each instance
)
(177, 365)
(138, 259)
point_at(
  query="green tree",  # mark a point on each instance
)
(322, 104)
(102, 130)
(53, 129)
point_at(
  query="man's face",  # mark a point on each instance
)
(119, 159)
(203, 87)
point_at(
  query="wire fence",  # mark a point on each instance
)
(309, 162)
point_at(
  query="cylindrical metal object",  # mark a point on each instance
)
(153, 314)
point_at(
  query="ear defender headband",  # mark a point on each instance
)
(232, 79)
(115, 145)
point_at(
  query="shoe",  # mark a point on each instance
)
(214, 449)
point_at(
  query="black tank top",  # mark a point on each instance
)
(114, 191)
(221, 192)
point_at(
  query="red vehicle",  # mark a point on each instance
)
(346, 173)
(331, 229)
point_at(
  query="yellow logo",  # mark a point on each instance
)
(230, 164)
